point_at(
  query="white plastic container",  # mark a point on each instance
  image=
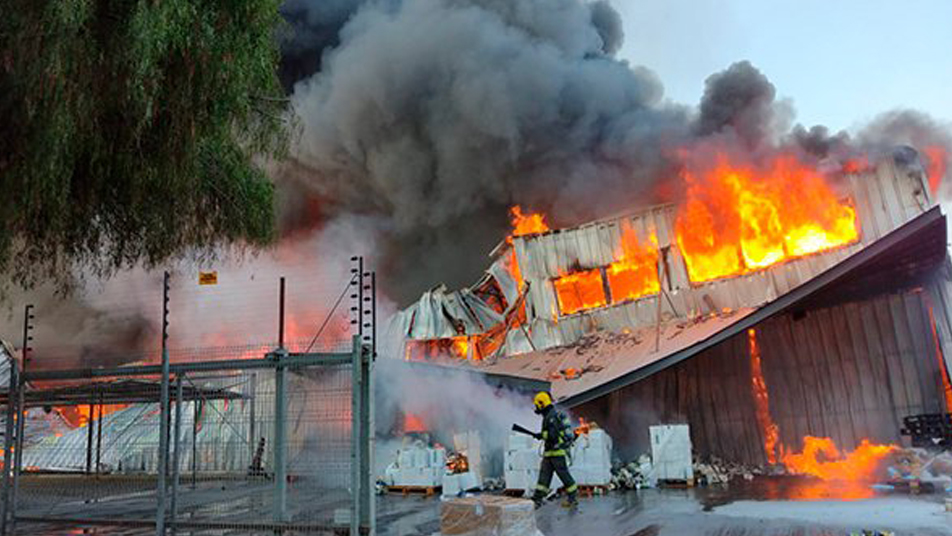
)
(454, 484)
(671, 452)
(592, 458)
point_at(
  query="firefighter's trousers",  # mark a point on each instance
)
(560, 466)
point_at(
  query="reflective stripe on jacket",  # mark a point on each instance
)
(556, 433)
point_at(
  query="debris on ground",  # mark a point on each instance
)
(718, 471)
(634, 475)
(494, 484)
(918, 470)
(641, 474)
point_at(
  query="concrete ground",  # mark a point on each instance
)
(767, 507)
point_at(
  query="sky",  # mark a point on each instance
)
(842, 62)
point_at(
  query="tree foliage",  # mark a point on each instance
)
(130, 129)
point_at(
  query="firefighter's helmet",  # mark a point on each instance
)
(542, 400)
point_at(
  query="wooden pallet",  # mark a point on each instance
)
(677, 483)
(406, 490)
(588, 490)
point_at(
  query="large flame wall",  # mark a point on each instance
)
(871, 202)
(847, 372)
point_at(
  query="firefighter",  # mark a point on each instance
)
(558, 436)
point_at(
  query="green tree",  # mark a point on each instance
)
(131, 131)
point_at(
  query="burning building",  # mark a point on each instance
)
(771, 304)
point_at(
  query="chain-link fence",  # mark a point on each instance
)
(254, 445)
(264, 438)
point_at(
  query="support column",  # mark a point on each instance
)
(355, 450)
(280, 442)
(99, 436)
(12, 397)
(368, 505)
(280, 421)
(253, 401)
(194, 442)
(164, 417)
(18, 447)
(89, 441)
(177, 441)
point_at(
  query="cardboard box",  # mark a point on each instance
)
(487, 515)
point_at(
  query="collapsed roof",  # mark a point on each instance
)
(534, 334)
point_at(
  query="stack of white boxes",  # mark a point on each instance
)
(470, 445)
(671, 452)
(592, 458)
(522, 458)
(417, 465)
(457, 483)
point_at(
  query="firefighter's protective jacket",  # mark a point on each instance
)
(557, 432)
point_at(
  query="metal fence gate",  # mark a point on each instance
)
(276, 444)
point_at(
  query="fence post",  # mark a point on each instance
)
(178, 449)
(252, 440)
(194, 442)
(164, 418)
(355, 450)
(280, 434)
(368, 506)
(99, 435)
(280, 443)
(12, 396)
(18, 447)
(89, 440)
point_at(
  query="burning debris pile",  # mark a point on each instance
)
(465, 468)
(421, 464)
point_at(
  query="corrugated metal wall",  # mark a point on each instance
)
(884, 197)
(848, 371)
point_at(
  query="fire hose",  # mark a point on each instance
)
(530, 433)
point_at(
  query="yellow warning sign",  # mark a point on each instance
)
(207, 278)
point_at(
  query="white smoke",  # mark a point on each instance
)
(119, 320)
(448, 401)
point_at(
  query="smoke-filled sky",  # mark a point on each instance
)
(433, 116)
(842, 62)
(420, 122)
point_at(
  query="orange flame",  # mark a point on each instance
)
(762, 401)
(821, 458)
(522, 224)
(936, 163)
(79, 416)
(423, 350)
(413, 423)
(737, 218)
(513, 266)
(856, 165)
(584, 427)
(526, 224)
(579, 291)
(635, 273)
(943, 370)
(460, 347)
(457, 463)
